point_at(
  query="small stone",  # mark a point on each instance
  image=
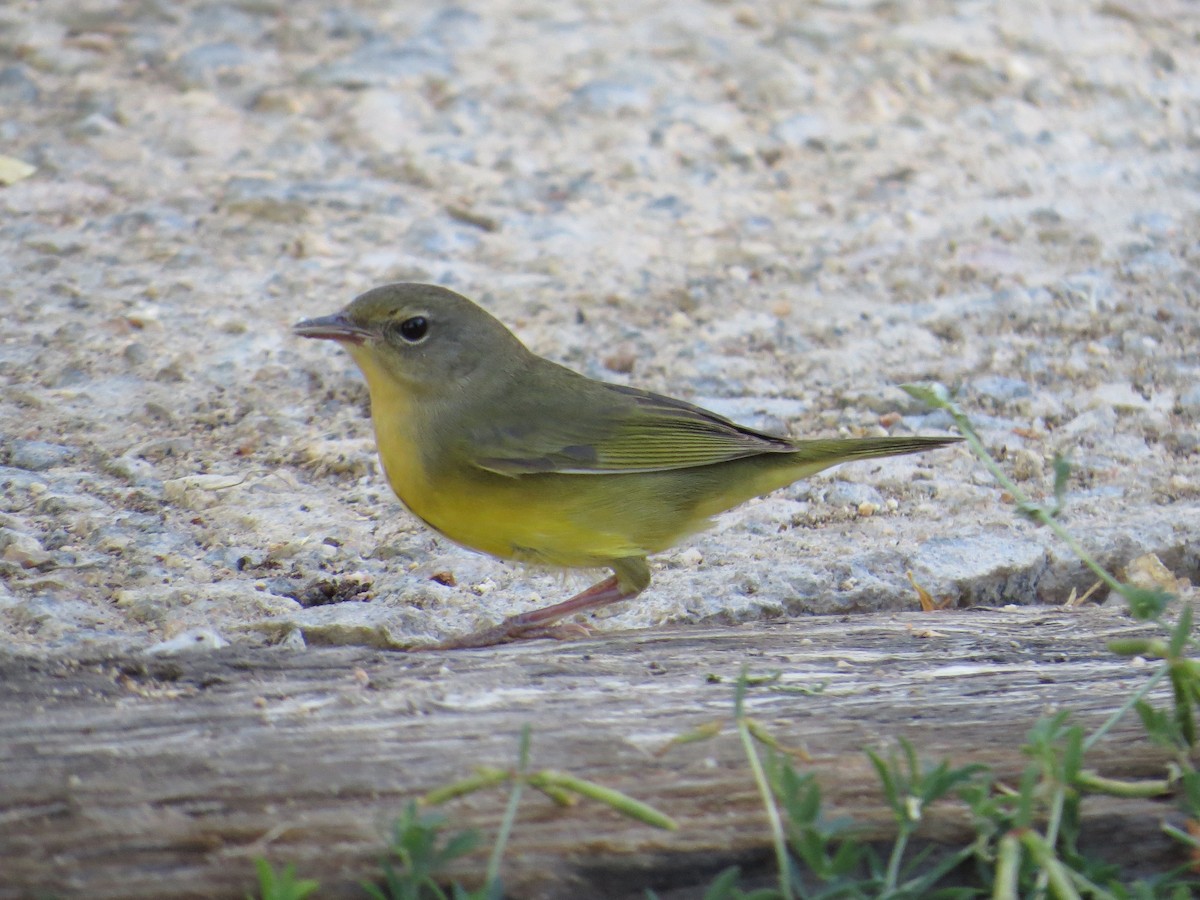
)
(36, 456)
(1000, 388)
(1189, 400)
(615, 95)
(622, 359)
(136, 354)
(1026, 464)
(380, 63)
(852, 494)
(1121, 397)
(293, 640)
(200, 640)
(22, 549)
(442, 239)
(1148, 571)
(17, 87)
(802, 130)
(95, 125)
(207, 64)
(1153, 263)
(13, 170)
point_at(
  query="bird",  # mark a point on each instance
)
(511, 454)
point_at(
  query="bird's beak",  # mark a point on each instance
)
(332, 328)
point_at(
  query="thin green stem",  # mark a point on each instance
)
(764, 790)
(506, 825)
(1008, 868)
(1051, 868)
(1182, 836)
(1125, 707)
(1090, 887)
(510, 809)
(1090, 781)
(1056, 813)
(893, 868)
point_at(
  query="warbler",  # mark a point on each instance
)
(508, 453)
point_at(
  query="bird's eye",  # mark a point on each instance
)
(412, 330)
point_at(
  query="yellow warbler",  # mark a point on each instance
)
(508, 453)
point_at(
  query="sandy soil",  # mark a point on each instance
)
(781, 211)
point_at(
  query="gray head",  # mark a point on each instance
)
(422, 335)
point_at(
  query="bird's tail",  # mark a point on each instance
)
(837, 450)
(766, 472)
(809, 457)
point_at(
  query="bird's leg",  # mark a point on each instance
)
(630, 579)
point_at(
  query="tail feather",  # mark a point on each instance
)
(766, 472)
(835, 450)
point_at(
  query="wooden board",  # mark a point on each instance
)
(150, 777)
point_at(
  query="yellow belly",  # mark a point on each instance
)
(556, 520)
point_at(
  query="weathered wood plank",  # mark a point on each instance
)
(164, 777)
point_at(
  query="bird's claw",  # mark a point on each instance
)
(511, 630)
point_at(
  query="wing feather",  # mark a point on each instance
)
(616, 429)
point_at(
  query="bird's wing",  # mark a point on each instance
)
(605, 428)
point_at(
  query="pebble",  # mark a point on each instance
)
(1156, 223)
(614, 96)
(22, 549)
(209, 64)
(852, 494)
(1026, 464)
(1001, 388)
(382, 63)
(16, 85)
(454, 26)
(244, 21)
(200, 640)
(441, 239)
(1189, 400)
(1121, 397)
(1153, 263)
(37, 456)
(802, 129)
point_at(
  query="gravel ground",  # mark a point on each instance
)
(780, 211)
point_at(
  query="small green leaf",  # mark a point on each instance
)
(705, 732)
(1134, 646)
(1185, 716)
(484, 777)
(1145, 603)
(1062, 474)
(1182, 632)
(931, 393)
(724, 885)
(611, 798)
(282, 885)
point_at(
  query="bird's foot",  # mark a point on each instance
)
(542, 623)
(509, 631)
